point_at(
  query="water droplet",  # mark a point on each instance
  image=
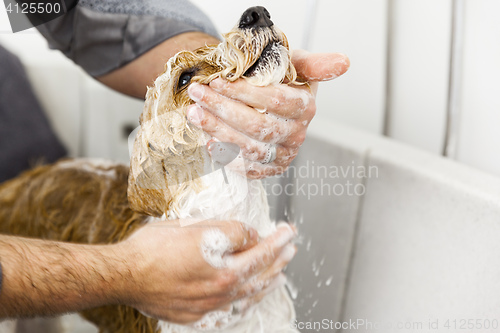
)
(329, 281)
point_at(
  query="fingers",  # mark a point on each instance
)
(232, 121)
(241, 305)
(262, 255)
(254, 117)
(251, 149)
(253, 270)
(184, 317)
(282, 100)
(259, 126)
(261, 129)
(265, 279)
(319, 66)
(245, 303)
(256, 170)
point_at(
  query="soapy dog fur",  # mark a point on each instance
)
(85, 201)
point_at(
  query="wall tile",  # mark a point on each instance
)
(359, 29)
(480, 104)
(420, 61)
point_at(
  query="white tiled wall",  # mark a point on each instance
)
(109, 117)
(419, 78)
(420, 56)
(357, 28)
(479, 134)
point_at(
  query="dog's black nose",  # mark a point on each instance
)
(255, 17)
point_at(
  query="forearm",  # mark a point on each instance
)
(134, 78)
(47, 278)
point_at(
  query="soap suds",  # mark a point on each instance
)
(214, 245)
(214, 320)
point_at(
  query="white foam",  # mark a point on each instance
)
(214, 320)
(213, 246)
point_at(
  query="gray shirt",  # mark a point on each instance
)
(103, 35)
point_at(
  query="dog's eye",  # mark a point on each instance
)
(184, 79)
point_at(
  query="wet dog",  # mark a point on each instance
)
(176, 171)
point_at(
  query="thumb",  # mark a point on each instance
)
(319, 66)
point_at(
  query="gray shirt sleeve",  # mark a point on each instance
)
(103, 35)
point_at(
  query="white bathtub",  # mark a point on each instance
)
(414, 248)
(418, 252)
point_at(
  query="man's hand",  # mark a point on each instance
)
(255, 117)
(172, 281)
(160, 270)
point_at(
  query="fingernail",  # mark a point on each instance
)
(288, 253)
(218, 84)
(195, 115)
(195, 91)
(287, 234)
(288, 226)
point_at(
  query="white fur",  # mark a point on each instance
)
(243, 200)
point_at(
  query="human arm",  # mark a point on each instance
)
(134, 78)
(46, 278)
(159, 270)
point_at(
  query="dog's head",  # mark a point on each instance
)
(167, 148)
